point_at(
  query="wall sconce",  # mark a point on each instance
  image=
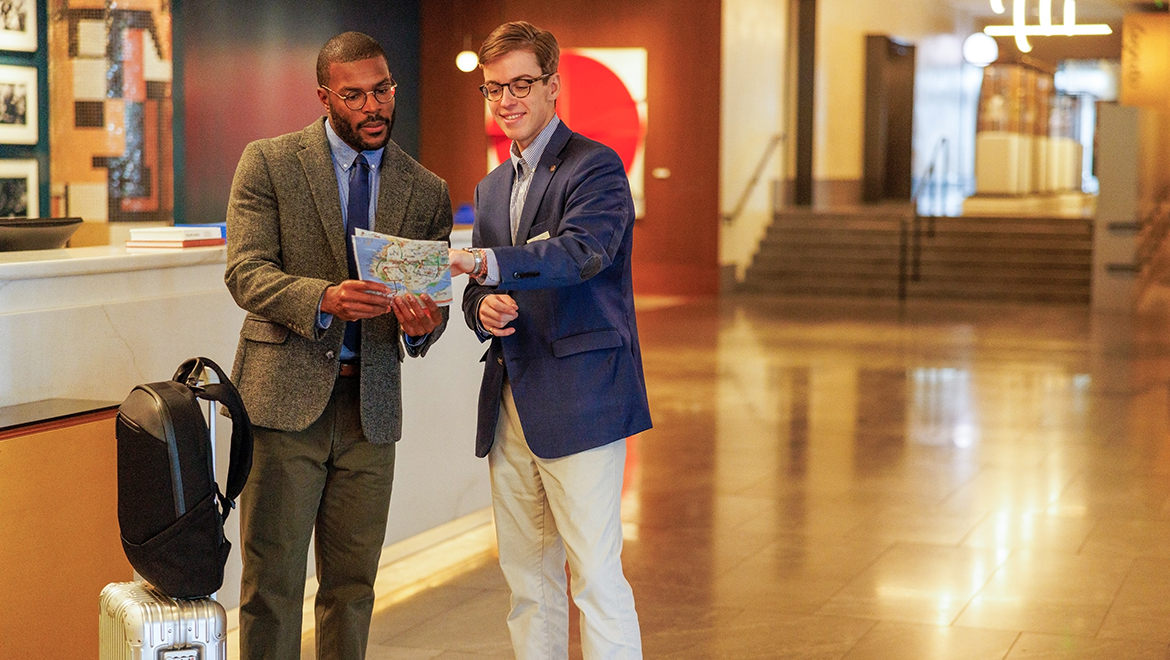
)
(1046, 28)
(466, 60)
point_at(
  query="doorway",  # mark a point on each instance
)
(889, 120)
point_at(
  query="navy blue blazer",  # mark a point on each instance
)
(574, 362)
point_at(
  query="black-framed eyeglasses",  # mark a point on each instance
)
(357, 100)
(519, 88)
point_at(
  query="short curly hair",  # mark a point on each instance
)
(347, 47)
(521, 35)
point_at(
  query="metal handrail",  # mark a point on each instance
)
(759, 171)
(910, 241)
(935, 184)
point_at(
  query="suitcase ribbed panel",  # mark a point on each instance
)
(140, 623)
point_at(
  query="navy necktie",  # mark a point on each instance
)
(357, 215)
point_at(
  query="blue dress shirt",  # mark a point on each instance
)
(343, 157)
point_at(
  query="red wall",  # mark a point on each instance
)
(676, 244)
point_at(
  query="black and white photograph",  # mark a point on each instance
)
(19, 186)
(18, 104)
(18, 25)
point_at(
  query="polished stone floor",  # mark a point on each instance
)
(861, 481)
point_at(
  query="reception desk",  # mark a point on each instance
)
(91, 323)
(58, 526)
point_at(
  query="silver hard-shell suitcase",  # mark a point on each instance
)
(140, 623)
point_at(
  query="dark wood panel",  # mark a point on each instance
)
(889, 119)
(806, 39)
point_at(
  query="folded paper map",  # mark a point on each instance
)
(404, 265)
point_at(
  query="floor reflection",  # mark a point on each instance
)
(861, 480)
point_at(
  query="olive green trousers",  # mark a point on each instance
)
(326, 479)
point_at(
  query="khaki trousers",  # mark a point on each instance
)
(550, 510)
(330, 479)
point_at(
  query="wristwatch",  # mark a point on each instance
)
(479, 269)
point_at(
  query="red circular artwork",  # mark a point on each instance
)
(593, 102)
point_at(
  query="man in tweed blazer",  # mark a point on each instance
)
(318, 363)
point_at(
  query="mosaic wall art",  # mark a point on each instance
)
(110, 100)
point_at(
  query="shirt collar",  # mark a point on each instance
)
(535, 149)
(344, 155)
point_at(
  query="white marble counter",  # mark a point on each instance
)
(91, 323)
(103, 259)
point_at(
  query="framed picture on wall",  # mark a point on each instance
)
(18, 25)
(18, 105)
(19, 189)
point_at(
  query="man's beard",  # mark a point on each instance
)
(351, 134)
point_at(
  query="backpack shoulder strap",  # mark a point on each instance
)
(224, 392)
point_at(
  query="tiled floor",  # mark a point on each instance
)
(854, 480)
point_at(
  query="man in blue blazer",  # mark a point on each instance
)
(563, 385)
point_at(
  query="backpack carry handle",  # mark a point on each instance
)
(224, 392)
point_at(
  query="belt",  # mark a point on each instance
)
(350, 370)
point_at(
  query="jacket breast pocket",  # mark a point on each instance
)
(543, 230)
(594, 340)
(263, 330)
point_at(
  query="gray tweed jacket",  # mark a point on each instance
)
(286, 245)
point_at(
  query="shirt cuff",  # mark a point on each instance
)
(324, 319)
(492, 278)
(415, 342)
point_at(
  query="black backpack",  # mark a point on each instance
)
(170, 509)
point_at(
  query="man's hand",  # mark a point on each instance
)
(354, 299)
(462, 262)
(417, 316)
(497, 311)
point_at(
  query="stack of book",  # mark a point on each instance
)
(175, 237)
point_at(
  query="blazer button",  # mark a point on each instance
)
(329, 354)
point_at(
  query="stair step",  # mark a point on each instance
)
(928, 254)
(859, 254)
(876, 289)
(918, 290)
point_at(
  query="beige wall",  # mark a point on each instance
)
(753, 109)
(1153, 284)
(840, 72)
(1153, 174)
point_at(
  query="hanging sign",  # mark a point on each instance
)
(1145, 68)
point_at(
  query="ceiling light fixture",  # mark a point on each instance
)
(980, 49)
(1046, 28)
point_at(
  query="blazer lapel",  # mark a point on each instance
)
(540, 180)
(493, 194)
(318, 166)
(394, 188)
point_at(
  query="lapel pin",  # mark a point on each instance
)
(552, 168)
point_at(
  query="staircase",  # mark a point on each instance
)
(840, 253)
(1016, 259)
(856, 253)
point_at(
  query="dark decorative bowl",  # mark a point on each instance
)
(36, 233)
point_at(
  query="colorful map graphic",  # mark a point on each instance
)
(404, 265)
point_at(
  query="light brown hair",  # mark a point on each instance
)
(521, 35)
